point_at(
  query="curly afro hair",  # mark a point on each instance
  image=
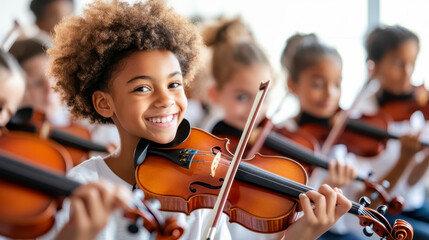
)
(88, 49)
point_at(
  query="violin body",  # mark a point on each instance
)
(75, 139)
(31, 188)
(402, 110)
(184, 190)
(24, 213)
(41, 123)
(358, 142)
(77, 154)
(264, 195)
(265, 148)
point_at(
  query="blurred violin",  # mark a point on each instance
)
(224, 130)
(29, 198)
(187, 174)
(295, 145)
(365, 137)
(75, 138)
(400, 110)
(11, 36)
(359, 135)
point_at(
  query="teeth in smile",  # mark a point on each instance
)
(161, 120)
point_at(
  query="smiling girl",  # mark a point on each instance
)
(127, 64)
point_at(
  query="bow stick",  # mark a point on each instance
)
(232, 170)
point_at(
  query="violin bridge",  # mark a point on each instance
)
(215, 163)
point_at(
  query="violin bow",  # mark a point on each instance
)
(232, 170)
(11, 36)
(260, 140)
(340, 123)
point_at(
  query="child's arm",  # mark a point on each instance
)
(419, 170)
(340, 175)
(90, 208)
(328, 206)
(410, 145)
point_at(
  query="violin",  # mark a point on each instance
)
(372, 130)
(187, 174)
(31, 184)
(296, 145)
(401, 110)
(223, 130)
(360, 135)
(75, 138)
(365, 137)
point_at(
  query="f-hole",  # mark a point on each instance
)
(206, 185)
(216, 149)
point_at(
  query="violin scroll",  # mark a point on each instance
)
(373, 221)
(402, 230)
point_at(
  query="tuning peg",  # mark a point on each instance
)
(382, 209)
(135, 226)
(374, 195)
(154, 203)
(138, 196)
(370, 174)
(364, 201)
(367, 230)
(385, 184)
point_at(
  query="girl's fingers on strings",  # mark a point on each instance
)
(319, 204)
(343, 205)
(331, 200)
(307, 208)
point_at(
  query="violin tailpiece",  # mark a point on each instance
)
(182, 157)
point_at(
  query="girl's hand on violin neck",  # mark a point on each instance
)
(340, 175)
(327, 207)
(410, 145)
(90, 208)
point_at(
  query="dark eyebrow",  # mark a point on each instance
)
(174, 74)
(241, 91)
(139, 77)
(317, 76)
(149, 78)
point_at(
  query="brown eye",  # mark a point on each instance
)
(318, 84)
(174, 85)
(142, 89)
(242, 97)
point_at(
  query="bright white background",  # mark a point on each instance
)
(339, 23)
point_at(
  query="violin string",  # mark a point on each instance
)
(364, 211)
(225, 157)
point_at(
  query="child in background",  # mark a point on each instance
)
(40, 95)
(238, 68)
(12, 87)
(213, 32)
(12, 90)
(31, 55)
(393, 51)
(49, 13)
(314, 74)
(127, 64)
